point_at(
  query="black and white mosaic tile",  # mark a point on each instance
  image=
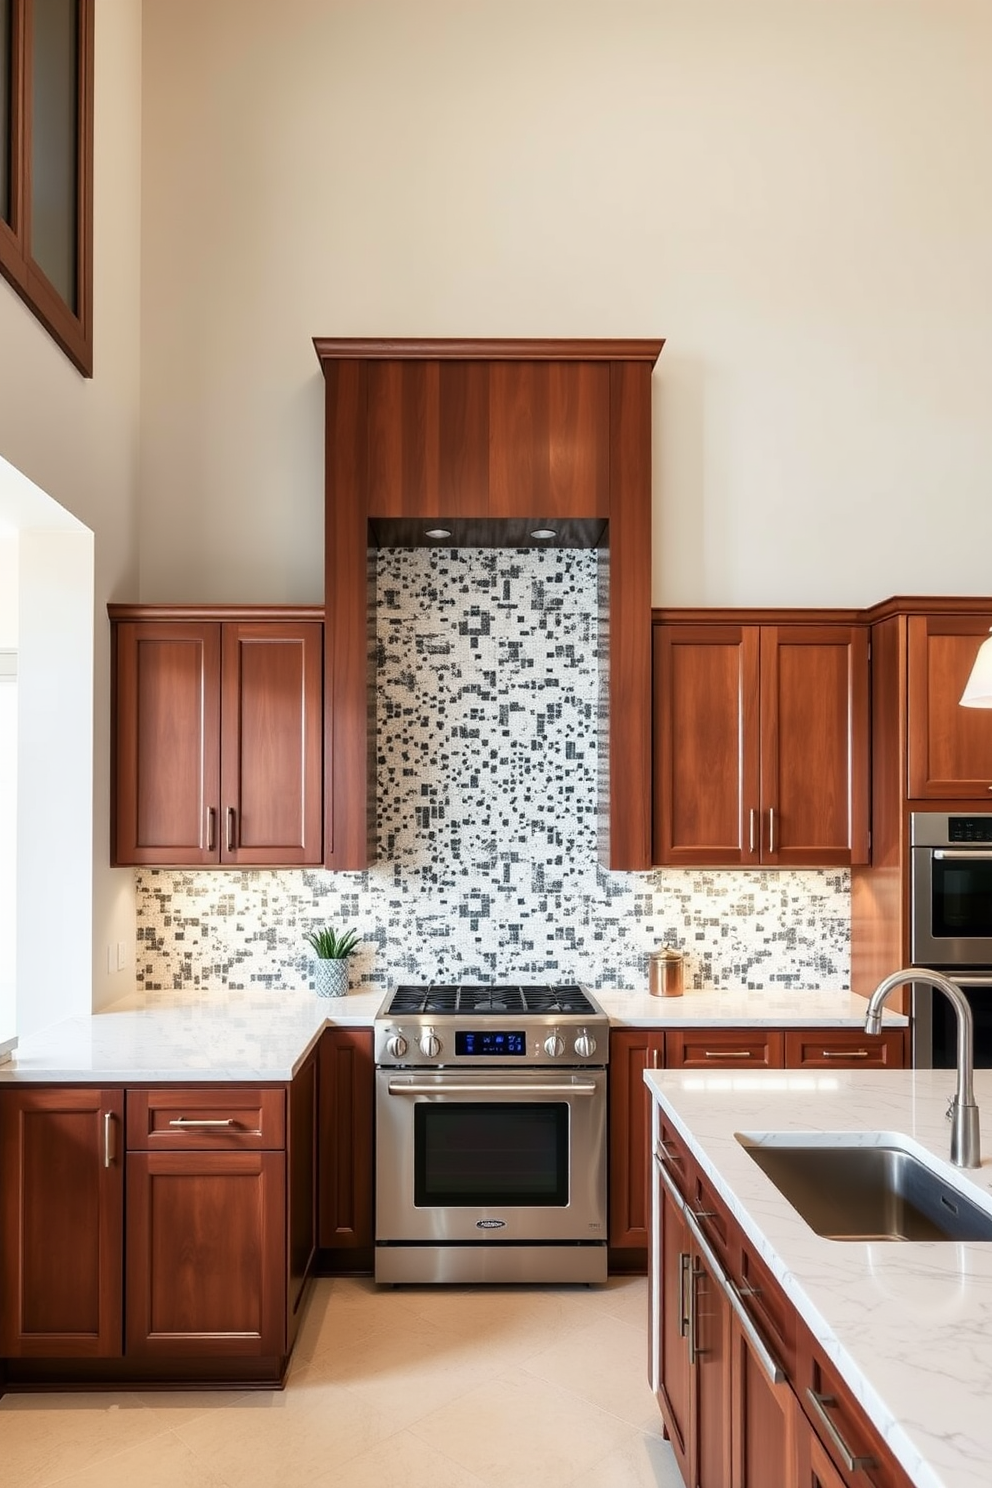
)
(487, 771)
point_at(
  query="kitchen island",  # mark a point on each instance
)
(906, 1325)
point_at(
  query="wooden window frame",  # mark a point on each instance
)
(72, 330)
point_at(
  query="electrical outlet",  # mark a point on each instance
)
(121, 955)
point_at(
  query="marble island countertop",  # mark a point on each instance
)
(264, 1034)
(908, 1324)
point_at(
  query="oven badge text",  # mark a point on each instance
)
(490, 1224)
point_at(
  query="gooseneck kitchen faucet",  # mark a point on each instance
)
(965, 1139)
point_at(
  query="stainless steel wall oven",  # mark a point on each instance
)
(951, 929)
(491, 1135)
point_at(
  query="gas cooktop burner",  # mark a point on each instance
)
(465, 998)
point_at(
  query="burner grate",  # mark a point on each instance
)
(478, 999)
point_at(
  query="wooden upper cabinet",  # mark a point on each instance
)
(217, 740)
(814, 745)
(488, 440)
(706, 775)
(761, 744)
(949, 747)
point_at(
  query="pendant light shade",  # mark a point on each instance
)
(978, 689)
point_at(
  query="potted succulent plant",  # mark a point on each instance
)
(332, 950)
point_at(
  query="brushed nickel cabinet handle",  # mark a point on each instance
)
(211, 828)
(771, 829)
(109, 1143)
(655, 1058)
(230, 828)
(845, 1053)
(751, 816)
(822, 1405)
(683, 1293)
(726, 1053)
(185, 1121)
(694, 1349)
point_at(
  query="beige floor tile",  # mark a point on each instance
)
(520, 1432)
(606, 1364)
(405, 1372)
(641, 1462)
(403, 1461)
(289, 1438)
(164, 1463)
(46, 1437)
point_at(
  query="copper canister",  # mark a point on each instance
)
(666, 972)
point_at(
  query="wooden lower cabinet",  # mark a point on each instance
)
(746, 1394)
(61, 1222)
(206, 1254)
(346, 1185)
(632, 1050)
(155, 1232)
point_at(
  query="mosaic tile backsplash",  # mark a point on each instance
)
(487, 717)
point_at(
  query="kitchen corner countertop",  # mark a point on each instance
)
(265, 1034)
(909, 1325)
(741, 1007)
(210, 1036)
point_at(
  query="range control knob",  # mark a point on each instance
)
(396, 1046)
(430, 1044)
(554, 1045)
(585, 1046)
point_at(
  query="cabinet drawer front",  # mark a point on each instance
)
(206, 1120)
(843, 1429)
(724, 1048)
(844, 1048)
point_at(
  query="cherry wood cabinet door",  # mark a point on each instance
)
(814, 745)
(271, 743)
(950, 747)
(166, 743)
(346, 1165)
(706, 762)
(711, 1356)
(674, 1381)
(61, 1222)
(632, 1051)
(766, 1417)
(206, 1254)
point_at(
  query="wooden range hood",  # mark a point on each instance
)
(489, 440)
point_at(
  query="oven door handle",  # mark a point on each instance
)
(464, 1087)
(964, 854)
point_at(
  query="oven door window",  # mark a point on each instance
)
(962, 899)
(469, 1155)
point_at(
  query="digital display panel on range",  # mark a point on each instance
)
(497, 1043)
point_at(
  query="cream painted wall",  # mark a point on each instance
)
(76, 439)
(795, 194)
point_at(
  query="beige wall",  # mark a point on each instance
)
(796, 194)
(76, 439)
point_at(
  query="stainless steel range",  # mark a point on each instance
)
(491, 1134)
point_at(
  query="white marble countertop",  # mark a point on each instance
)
(265, 1034)
(908, 1324)
(738, 1007)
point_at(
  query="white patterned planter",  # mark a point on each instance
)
(330, 978)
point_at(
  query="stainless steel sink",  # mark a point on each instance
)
(853, 1192)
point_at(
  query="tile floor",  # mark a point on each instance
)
(418, 1387)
